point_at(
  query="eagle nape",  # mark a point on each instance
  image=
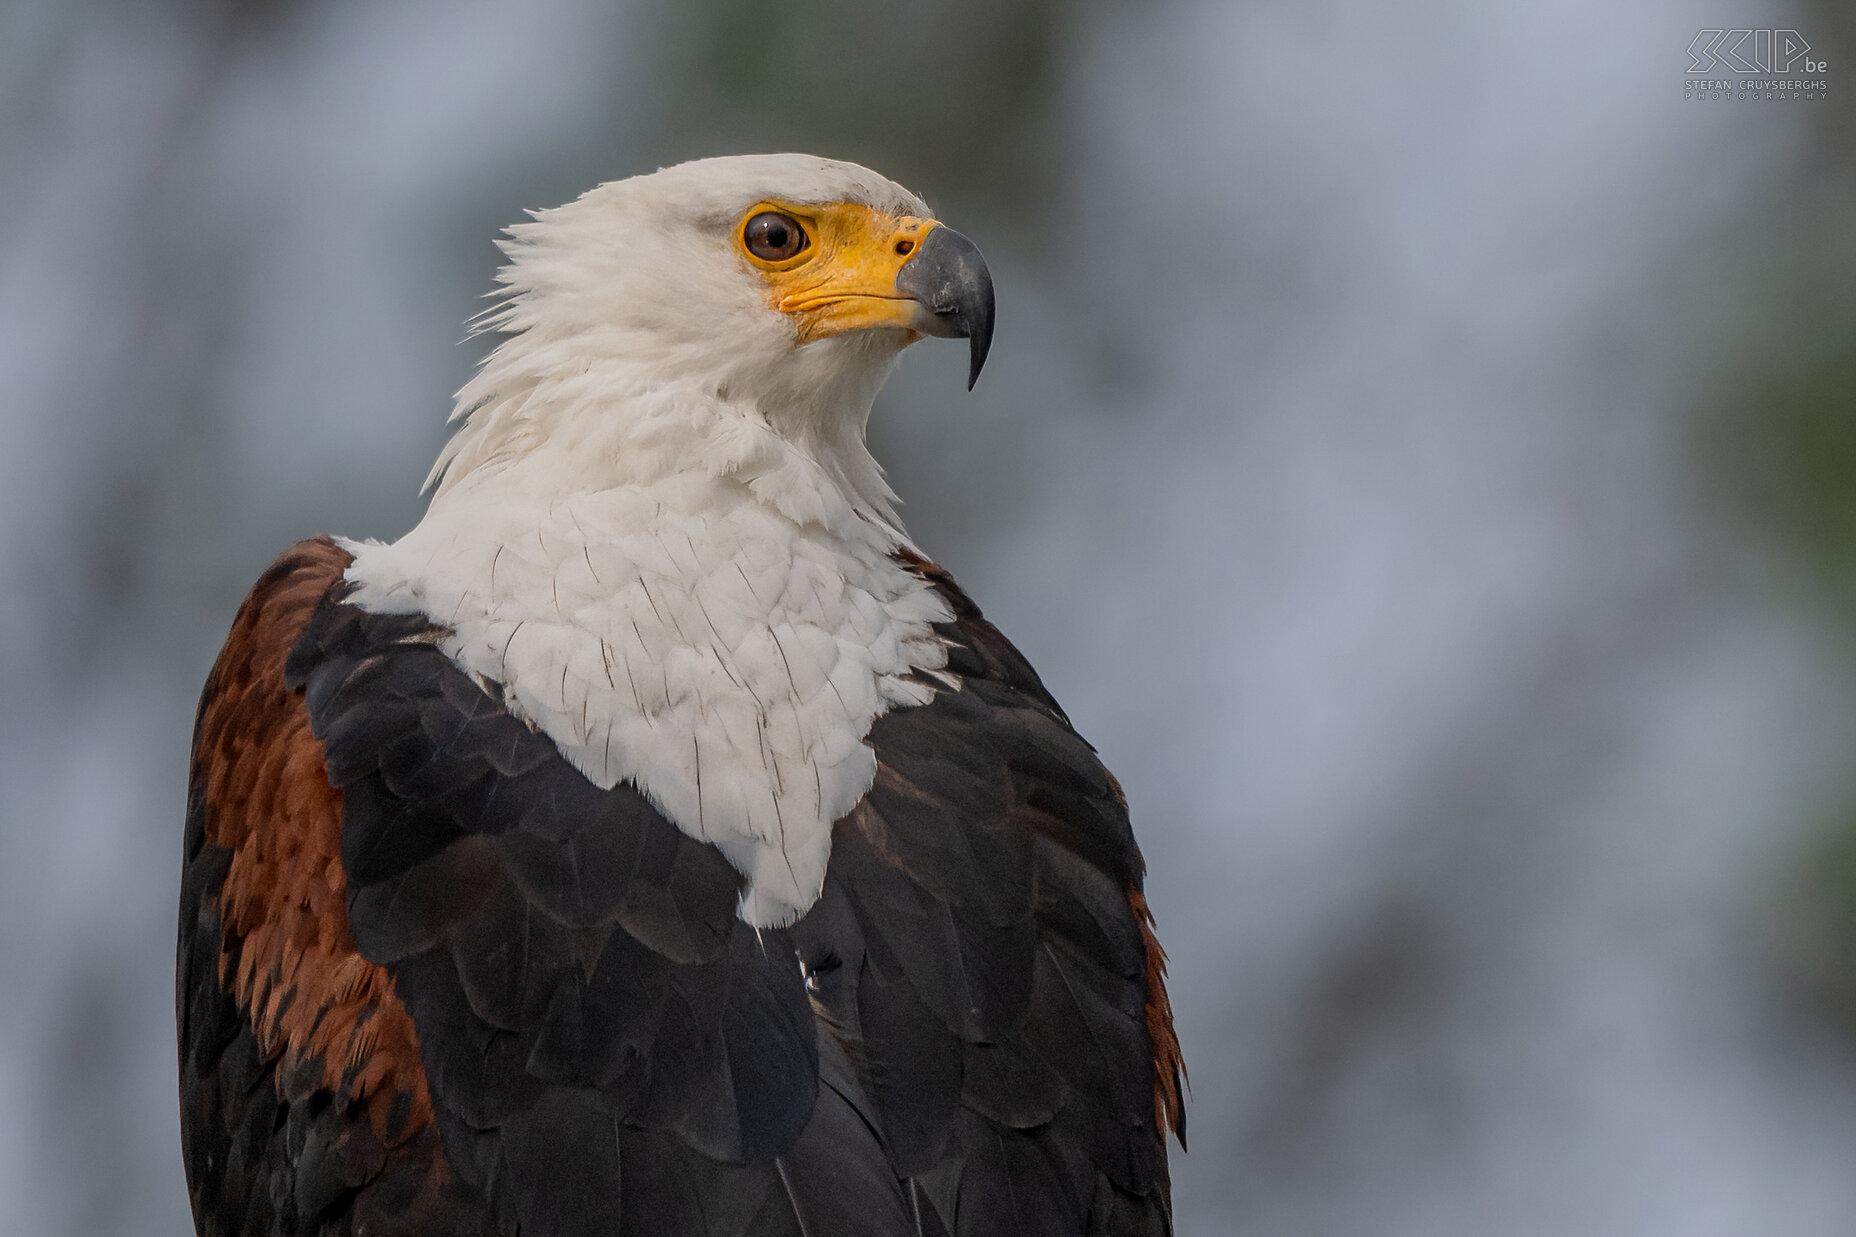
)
(949, 276)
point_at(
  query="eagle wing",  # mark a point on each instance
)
(983, 948)
(433, 980)
(302, 1092)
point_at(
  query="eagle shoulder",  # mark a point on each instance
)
(303, 1102)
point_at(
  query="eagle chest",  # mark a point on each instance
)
(724, 659)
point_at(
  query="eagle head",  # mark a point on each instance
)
(784, 286)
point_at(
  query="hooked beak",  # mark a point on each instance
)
(948, 278)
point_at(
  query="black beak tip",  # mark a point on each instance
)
(977, 347)
(976, 312)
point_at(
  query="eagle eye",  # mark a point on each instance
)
(773, 236)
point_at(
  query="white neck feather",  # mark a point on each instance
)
(594, 422)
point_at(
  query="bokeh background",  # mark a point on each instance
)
(1419, 449)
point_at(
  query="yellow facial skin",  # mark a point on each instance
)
(844, 279)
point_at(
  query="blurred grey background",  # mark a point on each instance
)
(1419, 449)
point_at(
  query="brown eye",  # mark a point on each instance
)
(773, 237)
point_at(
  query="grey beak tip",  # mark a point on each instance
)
(949, 276)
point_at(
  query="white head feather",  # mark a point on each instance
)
(635, 285)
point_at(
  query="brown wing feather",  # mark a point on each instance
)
(304, 1103)
(287, 955)
(1169, 1063)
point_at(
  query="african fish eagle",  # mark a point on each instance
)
(653, 841)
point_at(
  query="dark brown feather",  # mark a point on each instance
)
(983, 953)
(1006, 662)
(304, 1106)
(288, 956)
